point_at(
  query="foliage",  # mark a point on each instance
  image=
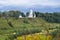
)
(49, 17)
(29, 27)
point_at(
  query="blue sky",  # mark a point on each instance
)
(26, 5)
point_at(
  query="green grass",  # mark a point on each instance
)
(21, 24)
(3, 37)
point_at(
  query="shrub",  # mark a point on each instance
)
(25, 21)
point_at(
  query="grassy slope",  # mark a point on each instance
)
(35, 23)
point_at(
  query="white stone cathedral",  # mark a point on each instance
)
(31, 15)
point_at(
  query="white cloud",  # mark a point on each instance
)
(29, 3)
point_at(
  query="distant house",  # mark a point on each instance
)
(20, 16)
(31, 15)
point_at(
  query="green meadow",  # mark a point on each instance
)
(24, 26)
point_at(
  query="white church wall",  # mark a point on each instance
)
(31, 14)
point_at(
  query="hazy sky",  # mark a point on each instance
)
(29, 3)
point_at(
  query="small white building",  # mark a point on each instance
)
(20, 16)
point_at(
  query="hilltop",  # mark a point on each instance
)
(26, 22)
(24, 26)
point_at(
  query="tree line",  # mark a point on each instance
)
(49, 17)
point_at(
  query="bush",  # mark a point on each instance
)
(26, 21)
(12, 37)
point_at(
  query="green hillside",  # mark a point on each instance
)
(24, 26)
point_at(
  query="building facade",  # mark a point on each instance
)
(31, 15)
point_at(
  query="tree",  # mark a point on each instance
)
(15, 14)
(27, 14)
(0, 14)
